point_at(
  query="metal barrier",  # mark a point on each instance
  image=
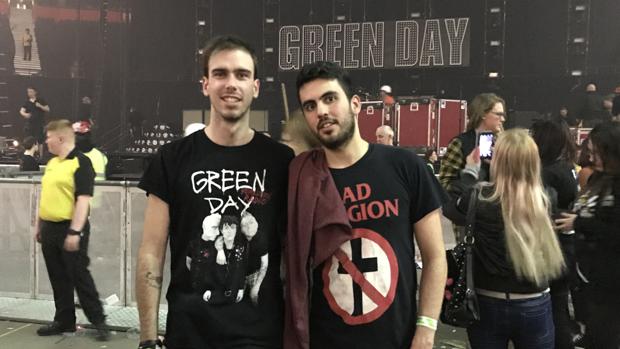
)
(116, 217)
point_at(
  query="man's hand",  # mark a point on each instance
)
(27, 115)
(567, 222)
(239, 296)
(207, 295)
(423, 339)
(72, 243)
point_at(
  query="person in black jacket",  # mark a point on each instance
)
(557, 153)
(516, 251)
(596, 221)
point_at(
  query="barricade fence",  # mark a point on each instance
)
(116, 219)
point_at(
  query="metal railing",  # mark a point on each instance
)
(117, 213)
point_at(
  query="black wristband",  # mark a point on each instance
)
(150, 344)
(74, 232)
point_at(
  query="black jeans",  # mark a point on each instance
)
(69, 271)
(560, 289)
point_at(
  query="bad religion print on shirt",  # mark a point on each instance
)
(364, 295)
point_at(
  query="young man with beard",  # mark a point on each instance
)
(225, 169)
(364, 294)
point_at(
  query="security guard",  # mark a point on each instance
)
(63, 231)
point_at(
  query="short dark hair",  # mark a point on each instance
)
(324, 70)
(428, 153)
(225, 43)
(29, 142)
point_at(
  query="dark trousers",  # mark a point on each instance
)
(527, 323)
(603, 323)
(69, 271)
(27, 53)
(560, 290)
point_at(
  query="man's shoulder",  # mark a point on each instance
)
(274, 147)
(393, 154)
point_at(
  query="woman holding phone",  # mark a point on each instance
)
(516, 251)
(597, 224)
(486, 113)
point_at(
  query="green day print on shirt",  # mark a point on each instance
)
(359, 282)
(229, 261)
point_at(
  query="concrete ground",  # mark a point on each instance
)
(20, 335)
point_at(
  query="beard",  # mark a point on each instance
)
(343, 137)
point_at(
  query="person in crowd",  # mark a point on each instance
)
(487, 112)
(590, 109)
(585, 162)
(27, 161)
(297, 135)
(85, 110)
(33, 111)
(63, 230)
(557, 155)
(385, 92)
(516, 251)
(596, 221)
(385, 135)
(430, 156)
(227, 169)
(379, 196)
(193, 127)
(27, 45)
(615, 109)
(84, 143)
(564, 115)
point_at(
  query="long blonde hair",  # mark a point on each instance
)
(530, 239)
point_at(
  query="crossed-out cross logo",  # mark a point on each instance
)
(361, 278)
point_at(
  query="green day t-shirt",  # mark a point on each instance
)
(227, 218)
(365, 295)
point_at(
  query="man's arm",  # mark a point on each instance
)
(44, 107)
(151, 257)
(451, 164)
(429, 237)
(80, 214)
(264, 264)
(22, 112)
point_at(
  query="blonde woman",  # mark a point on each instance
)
(516, 249)
(297, 135)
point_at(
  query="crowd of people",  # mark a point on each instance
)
(313, 245)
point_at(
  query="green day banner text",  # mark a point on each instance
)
(430, 43)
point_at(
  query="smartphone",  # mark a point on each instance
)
(486, 141)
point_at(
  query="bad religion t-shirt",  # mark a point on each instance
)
(227, 216)
(365, 295)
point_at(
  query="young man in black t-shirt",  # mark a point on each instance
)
(33, 111)
(200, 189)
(27, 162)
(365, 295)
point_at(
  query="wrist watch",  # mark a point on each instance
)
(150, 344)
(74, 232)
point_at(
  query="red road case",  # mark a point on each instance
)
(416, 122)
(369, 119)
(451, 120)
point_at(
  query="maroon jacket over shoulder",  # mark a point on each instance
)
(317, 226)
